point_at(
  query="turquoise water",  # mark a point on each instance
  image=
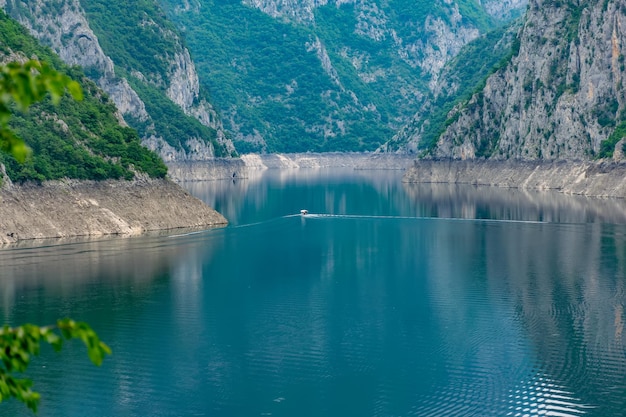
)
(388, 300)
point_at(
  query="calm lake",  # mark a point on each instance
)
(389, 299)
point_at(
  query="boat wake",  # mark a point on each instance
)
(321, 216)
(460, 219)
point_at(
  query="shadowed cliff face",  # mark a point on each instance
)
(559, 97)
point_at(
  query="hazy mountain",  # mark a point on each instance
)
(326, 75)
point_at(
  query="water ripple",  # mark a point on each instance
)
(543, 396)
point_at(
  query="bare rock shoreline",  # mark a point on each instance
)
(59, 209)
(588, 178)
(227, 168)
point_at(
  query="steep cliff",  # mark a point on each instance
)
(80, 140)
(136, 56)
(504, 9)
(459, 80)
(326, 75)
(65, 29)
(561, 95)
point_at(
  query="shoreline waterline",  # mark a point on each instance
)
(67, 209)
(598, 179)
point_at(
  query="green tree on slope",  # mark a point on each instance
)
(22, 84)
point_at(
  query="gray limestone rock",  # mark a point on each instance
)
(559, 97)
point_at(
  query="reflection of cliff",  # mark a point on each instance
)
(469, 202)
(554, 291)
(573, 314)
(133, 292)
(226, 196)
(270, 193)
(79, 265)
(560, 286)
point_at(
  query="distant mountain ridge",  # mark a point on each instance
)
(321, 75)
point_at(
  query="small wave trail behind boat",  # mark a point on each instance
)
(460, 219)
(307, 215)
(197, 232)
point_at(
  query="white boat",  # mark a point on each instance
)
(304, 212)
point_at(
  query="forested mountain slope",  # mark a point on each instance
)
(315, 75)
(81, 140)
(133, 53)
(325, 75)
(561, 96)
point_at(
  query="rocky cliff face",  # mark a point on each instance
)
(68, 33)
(560, 97)
(64, 26)
(606, 179)
(299, 11)
(504, 9)
(427, 45)
(183, 88)
(457, 81)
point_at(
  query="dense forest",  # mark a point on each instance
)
(265, 81)
(81, 140)
(346, 79)
(142, 43)
(279, 76)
